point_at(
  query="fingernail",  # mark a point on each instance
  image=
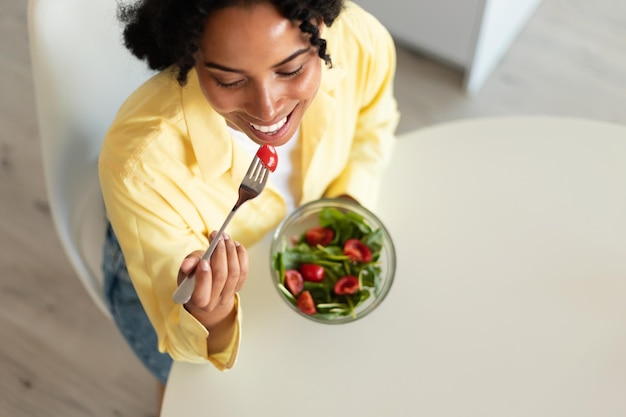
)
(237, 244)
(226, 237)
(204, 265)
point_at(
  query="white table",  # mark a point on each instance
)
(509, 299)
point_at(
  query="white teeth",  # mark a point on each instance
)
(270, 129)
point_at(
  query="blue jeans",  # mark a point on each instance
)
(127, 311)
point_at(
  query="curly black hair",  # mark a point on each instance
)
(166, 33)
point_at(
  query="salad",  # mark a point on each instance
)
(331, 268)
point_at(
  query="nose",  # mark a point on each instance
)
(263, 101)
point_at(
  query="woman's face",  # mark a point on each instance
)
(258, 70)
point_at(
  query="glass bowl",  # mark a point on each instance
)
(332, 277)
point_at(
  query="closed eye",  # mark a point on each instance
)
(292, 73)
(228, 85)
(238, 83)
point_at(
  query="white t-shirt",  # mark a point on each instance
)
(286, 178)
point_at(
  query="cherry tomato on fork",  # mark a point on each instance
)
(267, 154)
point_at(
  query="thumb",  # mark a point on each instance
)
(188, 266)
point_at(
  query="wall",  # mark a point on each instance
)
(502, 21)
(444, 29)
(472, 35)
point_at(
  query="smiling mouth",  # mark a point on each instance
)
(269, 130)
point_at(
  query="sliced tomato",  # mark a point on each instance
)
(294, 281)
(267, 155)
(357, 251)
(319, 236)
(312, 272)
(305, 303)
(346, 285)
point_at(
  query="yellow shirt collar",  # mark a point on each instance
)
(210, 137)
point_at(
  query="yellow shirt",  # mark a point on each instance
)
(170, 171)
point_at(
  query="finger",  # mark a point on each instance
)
(205, 290)
(188, 265)
(234, 273)
(219, 269)
(244, 265)
(201, 296)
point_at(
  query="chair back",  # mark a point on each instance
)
(82, 74)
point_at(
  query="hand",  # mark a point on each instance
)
(217, 280)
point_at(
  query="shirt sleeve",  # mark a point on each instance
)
(157, 227)
(377, 118)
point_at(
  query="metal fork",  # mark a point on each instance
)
(251, 186)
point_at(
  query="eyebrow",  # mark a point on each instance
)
(283, 62)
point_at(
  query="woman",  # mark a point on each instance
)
(313, 78)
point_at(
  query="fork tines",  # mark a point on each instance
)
(257, 171)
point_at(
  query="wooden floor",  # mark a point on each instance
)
(59, 356)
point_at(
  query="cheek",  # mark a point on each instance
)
(222, 103)
(306, 86)
(215, 95)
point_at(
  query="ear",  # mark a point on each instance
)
(320, 25)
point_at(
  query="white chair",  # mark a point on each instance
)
(82, 74)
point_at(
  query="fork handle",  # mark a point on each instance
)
(184, 291)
